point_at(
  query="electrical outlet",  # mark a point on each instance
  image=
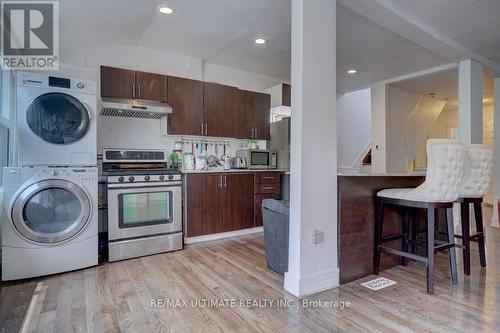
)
(318, 236)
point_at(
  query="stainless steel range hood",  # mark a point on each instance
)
(133, 108)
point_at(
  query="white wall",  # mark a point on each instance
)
(116, 132)
(143, 133)
(496, 151)
(410, 117)
(447, 119)
(353, 128)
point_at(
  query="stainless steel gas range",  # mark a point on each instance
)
(144, 203)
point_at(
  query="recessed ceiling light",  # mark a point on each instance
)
(260, 41)
(352, 71)
(165, 10)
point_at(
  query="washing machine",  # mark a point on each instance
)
(56, 120)
(50, 220)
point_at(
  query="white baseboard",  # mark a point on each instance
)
(494, 222)
(313, 283)
(206, 238)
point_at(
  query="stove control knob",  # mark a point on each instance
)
(131, 179)
(53, 173)
(146, 178)
(121, 179)
(170, 177)
(162, 177)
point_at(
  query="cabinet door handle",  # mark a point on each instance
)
(220, 184)
(139, 91)
(133, 90)
(225, 181)
(206, 128)
(267, 177)
(268, 188)
(255, 133)
(252, 133)
(201, 128)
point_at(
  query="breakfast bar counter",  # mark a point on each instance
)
(356, 219)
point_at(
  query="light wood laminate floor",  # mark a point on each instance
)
(117, 296)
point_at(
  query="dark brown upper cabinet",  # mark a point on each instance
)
(151, 86)
(220, 109)
(245, 122)
(186, 99)
(262, 116)
(286, 94)
(118, 83)
(124, 83)
(254, 116)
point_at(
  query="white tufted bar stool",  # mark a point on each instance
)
(476, 182)
(445, 168)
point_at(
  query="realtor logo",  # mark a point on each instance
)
(30, 35)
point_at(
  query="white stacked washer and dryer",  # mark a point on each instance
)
(50, 222)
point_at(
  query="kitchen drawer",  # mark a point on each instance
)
(267, 177)
(267, 188)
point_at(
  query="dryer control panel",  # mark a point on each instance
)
(46, 81)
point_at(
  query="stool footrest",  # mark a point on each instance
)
(443, 247)
(404, 254)
(474, 238)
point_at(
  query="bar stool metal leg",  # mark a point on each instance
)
(431, 213)
(414, 233)
(379, 220)
(480, 233)
(464, 209)
(405, 234)
(451, 239)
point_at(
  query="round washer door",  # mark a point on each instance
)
(58, 118)
(51, 211)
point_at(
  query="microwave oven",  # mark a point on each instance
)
(259, 159)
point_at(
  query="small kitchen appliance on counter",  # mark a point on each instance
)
(258, 159)
(238, 163)
(144, 203)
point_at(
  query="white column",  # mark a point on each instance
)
(496, 153)
(470, 100)
(313, 182)
(379, 127)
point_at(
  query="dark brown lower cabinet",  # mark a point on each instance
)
(267, 186)
(203, 204)
(238, 202)
(219, 203)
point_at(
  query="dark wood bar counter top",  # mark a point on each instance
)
(356, 219)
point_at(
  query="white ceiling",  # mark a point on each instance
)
(475, 23)
(445, 86)
(222, 32)
(376, 52)
(217, 31)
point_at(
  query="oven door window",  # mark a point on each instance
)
(142, 209)
(260, 158)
